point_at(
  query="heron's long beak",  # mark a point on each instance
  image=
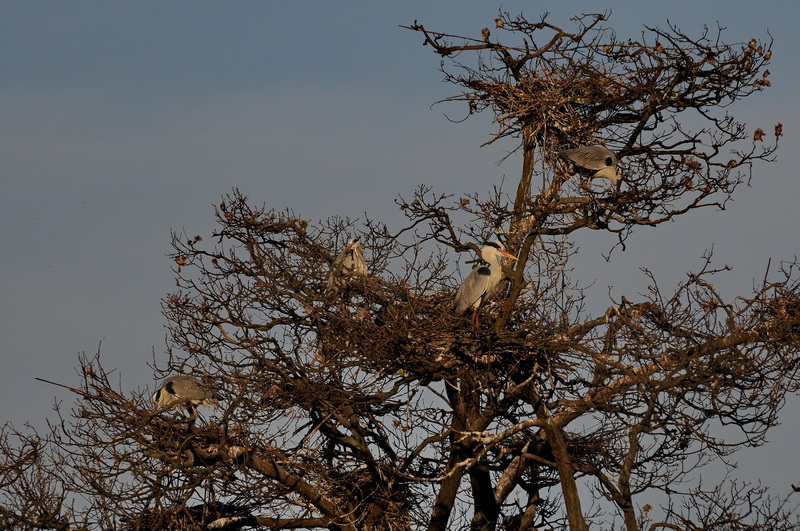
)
(508, 255)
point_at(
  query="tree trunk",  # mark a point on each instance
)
(569, 488)
(486, 509)
(446, 498)
(523, 188)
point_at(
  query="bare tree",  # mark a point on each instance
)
(374, 407)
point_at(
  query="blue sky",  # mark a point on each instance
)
(121, 121)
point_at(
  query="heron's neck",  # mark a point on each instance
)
(496, 265)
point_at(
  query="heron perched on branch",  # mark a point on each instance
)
(348, 265)
(597, 159)
(482, 281)
(184, 390)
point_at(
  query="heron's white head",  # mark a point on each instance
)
(611, 173)
(493, 250)
(157, 399)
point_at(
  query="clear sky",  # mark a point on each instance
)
(121, 121)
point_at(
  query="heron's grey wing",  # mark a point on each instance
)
(597, 158)
(350, 263)
(590, 157)
(472, 290)
(359, 264)
(354, 263)
(336, 271)
(193, 389)
(196, 392)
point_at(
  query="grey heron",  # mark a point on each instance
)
(482, 281)
(349, 264)
(598, 159)
(183, 389)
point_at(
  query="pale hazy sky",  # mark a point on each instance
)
(120, 121)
